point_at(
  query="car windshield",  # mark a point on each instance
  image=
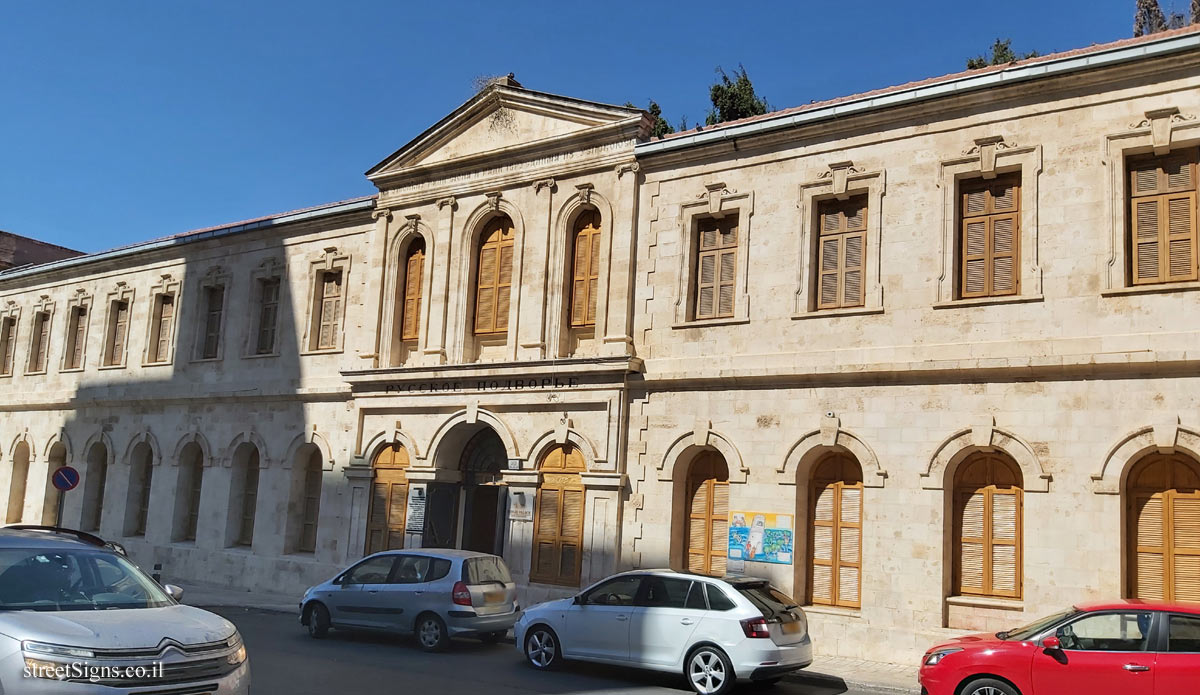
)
(771, 601)
(1037, 627)
(486, 570)
(74, 580)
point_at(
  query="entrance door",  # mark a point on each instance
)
(707, 518)
(484, 457)
(441, 516)
(389, 500)
(1164, 529)
(482, 530)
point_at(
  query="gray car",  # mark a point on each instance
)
(434, 593)
(78, 618)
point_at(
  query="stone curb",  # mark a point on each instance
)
(825, 679)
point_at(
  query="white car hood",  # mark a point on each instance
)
(117, 629)
(561, 604)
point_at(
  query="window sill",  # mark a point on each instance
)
(989, 301)
(70, 370)
(40, 372)
(196, 360)
(1004, 604)
(839, 611)
(1157, 288)
(325, 351)
(111, 366)
(834, 313)
(259, 355)
(156, 364)
(704, 323)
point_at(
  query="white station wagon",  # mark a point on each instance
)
(713, 631)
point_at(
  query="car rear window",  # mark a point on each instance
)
(717, 599)
(1183, 635)
(771, 601)
(485, 570)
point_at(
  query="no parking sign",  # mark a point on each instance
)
(65, 478)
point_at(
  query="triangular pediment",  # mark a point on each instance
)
(503, 119)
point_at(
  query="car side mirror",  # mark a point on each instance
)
(577, 600)
(173, 591)
(1051, 642)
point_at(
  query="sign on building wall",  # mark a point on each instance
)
(520, 506)
(415, 522)
(760, 537)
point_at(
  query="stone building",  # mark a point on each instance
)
(925, 356)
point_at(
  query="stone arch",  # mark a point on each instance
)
(557, 437)
(984, 438)
(103, 439)
(60, 437)
(813, 446)
(23, 437)
(557, 296)
(148, 438)
(193, 437)
(383, 438)
(1163, 438)
(472, 416)
(686, 447)
(317, 440)
(251, 437)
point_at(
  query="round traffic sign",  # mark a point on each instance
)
(65, 478)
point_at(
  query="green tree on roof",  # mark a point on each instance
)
(1149, 18)
(658, 126)
(1001, 54)
(734, 98)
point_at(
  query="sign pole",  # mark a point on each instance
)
(58, 512)
(64, 478)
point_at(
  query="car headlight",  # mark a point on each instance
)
(238, 655)
(935, 657)
(57, 650)
(50, 669)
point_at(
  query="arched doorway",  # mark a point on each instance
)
(835, 532)
(389, 499)
(94, 480)
(16, 486)
(1163, 532)
(706, 514)
(483, 495)
(987, 543)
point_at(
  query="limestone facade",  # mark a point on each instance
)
(1073, 377)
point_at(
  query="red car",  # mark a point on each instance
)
(1127, 647)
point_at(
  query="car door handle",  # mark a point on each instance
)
(686, 621)
(1136, 667)
(622, 618)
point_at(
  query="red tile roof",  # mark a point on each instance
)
(1094, 48)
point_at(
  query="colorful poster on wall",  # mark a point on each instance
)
(760, 537)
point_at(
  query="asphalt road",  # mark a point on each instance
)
(284, 659)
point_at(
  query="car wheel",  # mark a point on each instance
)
(989, 686)
(541, 648)
(709, 672)
(318, 621)
(492, 637)
(431, 633)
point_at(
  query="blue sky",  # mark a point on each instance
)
(124, 121)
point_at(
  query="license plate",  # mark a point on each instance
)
(493, 596)
(791, 628)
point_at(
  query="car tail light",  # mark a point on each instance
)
(756, 627)
(460, 594)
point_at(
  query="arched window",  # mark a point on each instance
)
(494, 280)
(410, 313)
(244, 495)
(93, 486)
(835, 546)
(57, 459)
(389, 499)
(188, 487)
(305, 508)
(987, 527)
(706, 544)
(141, 474)
(585, 276)
(558, 520)
(1163, 494)
(16, 487)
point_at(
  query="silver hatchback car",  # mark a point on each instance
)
(434, 593)
(77, 617)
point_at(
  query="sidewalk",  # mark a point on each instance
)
(826, 671)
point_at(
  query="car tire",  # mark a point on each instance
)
(318, 621)
(989, 686)
(709, 671)
(431, 633)
(542, 649)
(492, 637)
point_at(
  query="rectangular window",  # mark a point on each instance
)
(841, 255)
(8, 343)
(160, 330)
(1183, 634)
(40, 342)
(268, 313)
(716, 267)
(76, 337)
(989, 215)
(1162, 218)
(118, 329)
(329, 310)
(214, 306)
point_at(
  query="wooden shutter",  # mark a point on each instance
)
(493, 285)
(78, 337)
(120, 327)
(163, 324)
(1162, 218)
(311, 504)
(559, 518)
(268, 312)
(249, 501)
(8, 341)
(990, 237)
(835, 555)
(41, 340)
(716, 267)
(585, 273)
(414, 269)
(330, 310)
(215, 300)
(1164, 518)
(987, 524)
(706, 537)
(841, 253)
(388, 509)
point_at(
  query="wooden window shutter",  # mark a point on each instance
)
(8, 340)
(330, 310)
(163, 324)
(586, 269)
(1164, 528)
(120, 326)
(41, 339)
(388, 507)
(413, 283)
(267, 316)
(1162, 218)
(77, 337)
(835, 556)
(213, 311)
(706, 538)
(311, 504)
(249, 501)
(493, 285)
(841, 253)
(559, 518)
(716, 267)
(990, 237)
(988, 548)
